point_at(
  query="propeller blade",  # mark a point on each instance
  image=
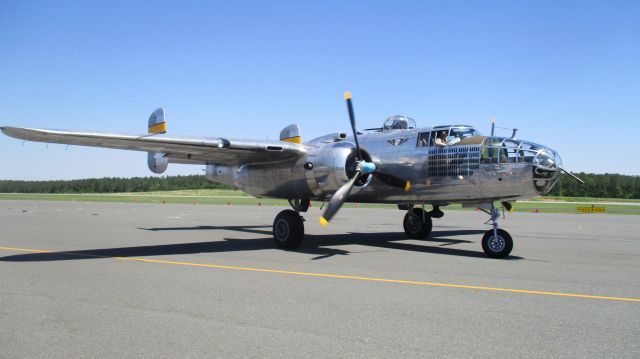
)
(393, 181)
(352, 119)
(572, 175)
(337, 200)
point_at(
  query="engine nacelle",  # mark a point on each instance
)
(221, 173)
(331, 166)
(318, 175)
(157, 162)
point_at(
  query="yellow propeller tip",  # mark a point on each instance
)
(407, 187)
(323, 221)
(347, 95)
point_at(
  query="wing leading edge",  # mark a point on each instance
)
(177, 149)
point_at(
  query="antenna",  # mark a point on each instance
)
(493, 125)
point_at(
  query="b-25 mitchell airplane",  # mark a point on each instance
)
(397, 163)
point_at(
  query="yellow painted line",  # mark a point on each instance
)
(336, 276)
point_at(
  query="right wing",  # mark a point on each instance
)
(176, 149)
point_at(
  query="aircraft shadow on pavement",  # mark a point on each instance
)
(317, 245)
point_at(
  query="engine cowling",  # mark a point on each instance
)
(331, 166)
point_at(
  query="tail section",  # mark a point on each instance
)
(157, 123)
(291, 133)
(157, 162)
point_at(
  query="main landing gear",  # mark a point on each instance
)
(417, 223)
(288, 227)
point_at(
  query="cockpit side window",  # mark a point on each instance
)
(423, 139)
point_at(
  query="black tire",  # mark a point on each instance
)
(288, 229)
(497, 247)
(417, 224)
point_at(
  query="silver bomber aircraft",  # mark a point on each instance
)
(397, 164)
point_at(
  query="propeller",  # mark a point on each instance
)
(339, 197)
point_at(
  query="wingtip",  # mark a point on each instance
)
(323, 221)
(347, 95)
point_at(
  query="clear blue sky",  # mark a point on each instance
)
(566, 73)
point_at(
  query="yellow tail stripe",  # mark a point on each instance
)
(294, 139)
(158, 128)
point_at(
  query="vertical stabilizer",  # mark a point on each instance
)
(157, 123)
(291, 133)
(157, 162)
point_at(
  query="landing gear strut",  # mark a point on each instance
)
(496, 242)
(288, 227)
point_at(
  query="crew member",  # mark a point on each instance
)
(441, 140)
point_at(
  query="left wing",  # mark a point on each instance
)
(176, 149)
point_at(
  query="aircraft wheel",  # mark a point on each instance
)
(497, 246)
(288, 229)
(414, 225)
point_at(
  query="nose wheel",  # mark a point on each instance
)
(496, 242)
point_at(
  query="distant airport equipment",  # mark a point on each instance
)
(592, 209)
(397, 163)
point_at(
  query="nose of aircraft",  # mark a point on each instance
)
(548, 159)
(547, 165)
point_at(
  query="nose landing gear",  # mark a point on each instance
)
(496, 242)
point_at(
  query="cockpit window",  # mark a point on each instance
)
(462, 132)
(398, 122)
(423, 139)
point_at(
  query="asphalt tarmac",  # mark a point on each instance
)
(134, 280)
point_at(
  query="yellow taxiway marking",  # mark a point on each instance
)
(336, 276)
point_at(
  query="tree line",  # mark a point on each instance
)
(608, 185)
(596, 185)
(111, 185)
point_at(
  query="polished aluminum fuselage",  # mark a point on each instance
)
(475, 170)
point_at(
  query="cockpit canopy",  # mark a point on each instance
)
(398, 122)
(458, 131)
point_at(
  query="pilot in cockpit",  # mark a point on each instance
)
(441, 140)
